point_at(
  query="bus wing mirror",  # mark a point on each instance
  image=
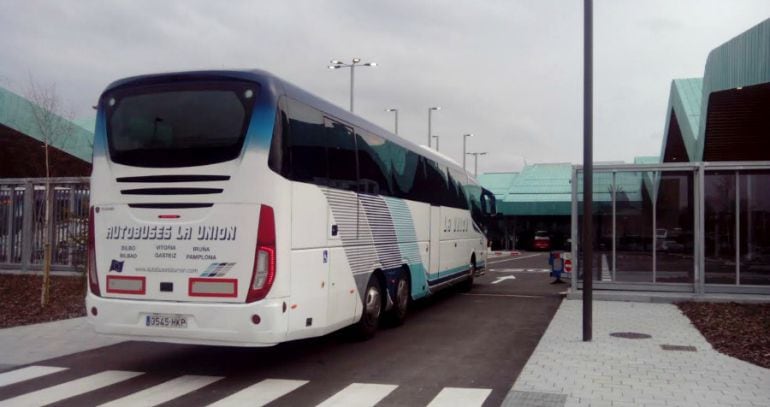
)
(488, 203)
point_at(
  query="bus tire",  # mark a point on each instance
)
(397, 315)
(372, 310)
(467, 284)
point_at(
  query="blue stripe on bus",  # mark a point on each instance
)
(450, 274)
(260, 131)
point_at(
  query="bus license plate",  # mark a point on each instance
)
(166, 320)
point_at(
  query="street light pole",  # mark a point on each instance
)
(465, 138)
(588, 169)
(336, 64)
(436, 137)
(352, 83)
(394, 110)
(430, 110)
(476, 162)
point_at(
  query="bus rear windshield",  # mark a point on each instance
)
(179, 124)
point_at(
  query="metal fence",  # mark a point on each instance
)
(22, 218)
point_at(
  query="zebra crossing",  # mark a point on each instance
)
(257, 394)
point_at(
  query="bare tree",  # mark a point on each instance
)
(48, 119)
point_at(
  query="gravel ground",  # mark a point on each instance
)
(20, 299)
(738, 330)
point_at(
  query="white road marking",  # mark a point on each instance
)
(164, 392)
(501, 279)
(260, 393)
(521, 270)
(455, 396)
(27, 373)
(515, 258)
(503, 295)
(359, 395)
(70, 389)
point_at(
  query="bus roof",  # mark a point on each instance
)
(273, 82)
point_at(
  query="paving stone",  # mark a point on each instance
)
(637, 371)
(534, 399)
(31, 343)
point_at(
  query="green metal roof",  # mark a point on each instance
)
(88, 123)
(539, 189)
(647, 160)
(685, 102)
(17, 113)
(545, 189)
(497, 182)
(742, 61)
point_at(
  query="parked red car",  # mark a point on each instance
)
(541, 241)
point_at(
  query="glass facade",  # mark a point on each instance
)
(754, 230)
(697, 227)
(633, 231)
(720, 215)
(674, 228)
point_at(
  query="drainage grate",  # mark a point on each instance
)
(682, 348)
(630, 335)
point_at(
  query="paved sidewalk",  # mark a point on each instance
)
(610, 371)
(31, 343)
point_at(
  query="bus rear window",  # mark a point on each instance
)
(178, 124)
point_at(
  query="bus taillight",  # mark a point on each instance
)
(93, 280)
(264, 257)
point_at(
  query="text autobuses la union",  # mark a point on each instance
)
(167, 232)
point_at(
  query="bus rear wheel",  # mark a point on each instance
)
(370, 316)
(397, 315)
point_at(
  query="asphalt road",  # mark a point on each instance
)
(476, 340)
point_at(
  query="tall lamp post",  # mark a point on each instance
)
(436, 137)
(465, 138)
(588, 168)
(335, 64)
(430, 111)
(476, 162)
(394, 110)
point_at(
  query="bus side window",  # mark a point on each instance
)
(403, 170)
(279, 158)
(307, 144)
(438, 188)
(373, 170)
(457, 190)
(341, 149)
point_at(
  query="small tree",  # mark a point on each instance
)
(48, 119)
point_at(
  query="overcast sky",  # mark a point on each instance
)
(508, 71)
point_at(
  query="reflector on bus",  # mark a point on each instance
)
(126, 285)
(213, 287)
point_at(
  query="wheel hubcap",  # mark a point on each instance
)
(402, 294)
(373, 303)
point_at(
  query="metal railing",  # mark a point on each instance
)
(22, 214)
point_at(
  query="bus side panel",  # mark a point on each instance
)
(343, 293)
(309, 261)
(309, 217)
(410, 220)
(434, 248)
(309, 293)
(455, 227)
(347, 252)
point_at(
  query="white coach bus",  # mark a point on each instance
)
(233, 208)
